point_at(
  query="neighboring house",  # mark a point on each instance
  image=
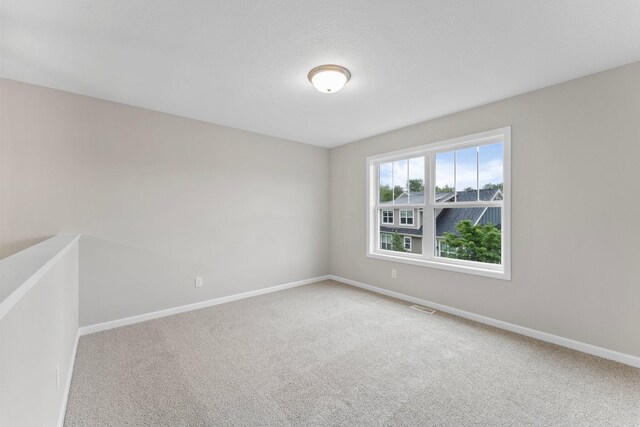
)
(408, 222)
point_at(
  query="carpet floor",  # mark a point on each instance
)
(331, 354)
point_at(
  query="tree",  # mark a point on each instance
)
(416, 185)
(482, 242)
(397, 191)
(397, 243)
(469, 189)
(445, 189)
(493, 187)
(386, 195)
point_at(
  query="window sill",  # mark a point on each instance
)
(467, 269)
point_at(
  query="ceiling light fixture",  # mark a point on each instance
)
(329, 78)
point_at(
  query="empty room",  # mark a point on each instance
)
(304, 213)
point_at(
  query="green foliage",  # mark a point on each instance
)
(469, 189)
(493, 187)
(445, 189)
(397, 243)
(480, 242)
(416, 185)
(387, 194)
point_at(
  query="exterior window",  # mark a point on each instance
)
(406, 217)
(459, 190)
(386, 242)
(407, 243)
(387, 217)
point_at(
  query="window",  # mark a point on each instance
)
(387, 217)
(406, 217)
(407, 243)
(386, 241)
(457, 192)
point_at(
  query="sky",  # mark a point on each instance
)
(473, 166)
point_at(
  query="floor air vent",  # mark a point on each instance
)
(423, 309)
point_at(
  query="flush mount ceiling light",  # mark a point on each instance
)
(329, 78)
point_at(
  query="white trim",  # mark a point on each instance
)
(428, 257)
(25, 287)
(392, 216)
(413, 225)
(481, 138)
(98, 327)
(483, 269)
(583, 347)
(67, 386)
(382, 241)
(404, 242)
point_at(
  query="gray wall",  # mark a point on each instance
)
(162, 198)
(575, 237)
(159, 199)
(36, 335)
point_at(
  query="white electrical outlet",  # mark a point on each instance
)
(57, 376)
(394, 273)
(199, 282)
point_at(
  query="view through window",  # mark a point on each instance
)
(443, 203)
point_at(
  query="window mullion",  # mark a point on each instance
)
(378, 220)
(428, 219)
(478, 173)
(455, 176)
(393, 183)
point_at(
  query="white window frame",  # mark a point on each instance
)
(404, 243)
(428, 258)
(407, 217)
(392, 216)
(390, 241)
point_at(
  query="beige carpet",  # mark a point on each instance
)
(330, 354)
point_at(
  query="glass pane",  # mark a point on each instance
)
(406, 217)
(400, 181)
(472, 234)
(386, 183)
(385, 241)
(387, 216)
(445, 178)
(408, 244)
(416, 180)
(490, 171)
(403, 236)
(467, 175)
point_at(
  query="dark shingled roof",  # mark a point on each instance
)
(448, 218)
(402, 230)
(470, 196)
(416, 197)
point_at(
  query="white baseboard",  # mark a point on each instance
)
(67, 386)
(90, 329)
(522, 330)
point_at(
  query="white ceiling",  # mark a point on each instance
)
(244, 63)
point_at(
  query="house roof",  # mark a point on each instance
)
(447, 219)
(402, 230)
(416, 197)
